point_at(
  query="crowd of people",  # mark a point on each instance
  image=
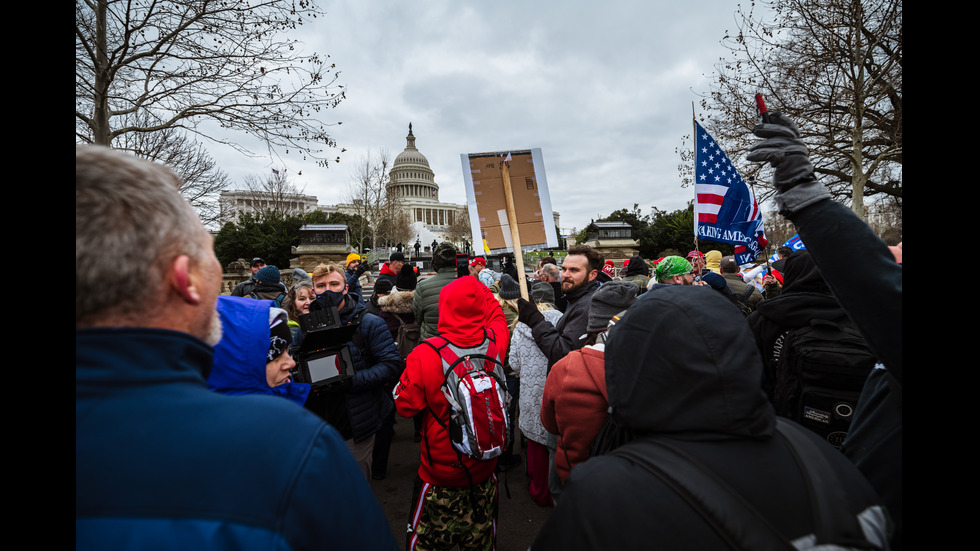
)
(647, 396)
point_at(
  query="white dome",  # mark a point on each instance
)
(411, 155)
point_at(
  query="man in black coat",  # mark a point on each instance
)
(578, 281)
(867, 281)
(682, 373)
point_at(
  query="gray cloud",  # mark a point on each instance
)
(604, 89)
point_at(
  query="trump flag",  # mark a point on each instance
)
(725, 210)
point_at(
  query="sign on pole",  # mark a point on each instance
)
(487, 202)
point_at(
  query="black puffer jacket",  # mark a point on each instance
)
(681, 368)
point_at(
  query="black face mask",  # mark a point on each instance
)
(330, 299)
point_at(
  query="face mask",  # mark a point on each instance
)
(330, 298)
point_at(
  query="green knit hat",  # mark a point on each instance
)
(671, 266)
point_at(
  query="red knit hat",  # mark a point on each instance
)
(609, 268)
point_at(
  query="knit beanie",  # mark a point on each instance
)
(715, 281)
(509, 288)
(672, 265)
(397, 257)
(444, 256)
(300, 274)
(269, 274)
(609, 268)
(608, 300)
(406, 280)
(542, 292)
(351, 258)
(383, 287)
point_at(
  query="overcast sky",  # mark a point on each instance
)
(605, 89)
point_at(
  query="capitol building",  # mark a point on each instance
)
(413, 182)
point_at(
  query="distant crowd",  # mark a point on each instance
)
(681, 402)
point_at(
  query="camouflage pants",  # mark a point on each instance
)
(444, 517)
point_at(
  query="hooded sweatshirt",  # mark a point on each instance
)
(574, 405)
(681, 368)
(241, 355)
(468, 313)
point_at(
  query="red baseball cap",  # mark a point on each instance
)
(478, 260)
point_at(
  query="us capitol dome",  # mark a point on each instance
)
(413, 182)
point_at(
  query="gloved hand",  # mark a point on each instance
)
(361, 268)
(796, 186)
(528, 313)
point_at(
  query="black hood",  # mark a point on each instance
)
(805, 295)
(800, 273)
(682, 360)
(637, 267)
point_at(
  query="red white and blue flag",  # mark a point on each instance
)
(725, 210)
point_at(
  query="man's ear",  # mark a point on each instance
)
(181, 280)
(593, 274)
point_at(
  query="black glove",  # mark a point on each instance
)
(361, 268)
(528, 313)
(796, 186)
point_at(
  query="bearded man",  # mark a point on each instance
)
(578, 281)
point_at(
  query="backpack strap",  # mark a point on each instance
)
(358, 338)
(832, 523)
(739, 524)
(736, 520)
(747, 292)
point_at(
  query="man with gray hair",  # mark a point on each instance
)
(160, 460)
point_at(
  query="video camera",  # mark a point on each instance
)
(324, 358)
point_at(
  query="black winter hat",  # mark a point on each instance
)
(608, 300)
(509, 288)
(382, 287)
(406, 280)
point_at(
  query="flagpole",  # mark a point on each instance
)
(515, 234)
(694, 210)
(752, 187)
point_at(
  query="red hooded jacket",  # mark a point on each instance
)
(468, 312)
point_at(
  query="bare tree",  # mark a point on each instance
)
(836, 68)
(368, 193)
(275, 195)
(202, 182)
(183, 63)
(459, 227)
(395, 224)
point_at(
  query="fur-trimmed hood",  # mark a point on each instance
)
(398, 302)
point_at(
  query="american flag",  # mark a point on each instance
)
(726, 210)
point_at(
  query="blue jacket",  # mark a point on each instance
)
(240, 357)
(377, 367)
(162, 462)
